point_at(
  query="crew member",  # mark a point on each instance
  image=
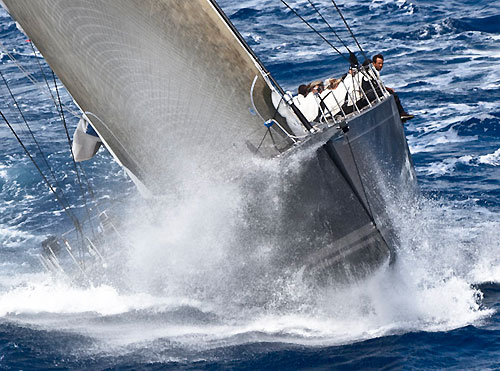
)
(303, 90)
(378, 63)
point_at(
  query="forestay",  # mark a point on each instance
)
(165, 83)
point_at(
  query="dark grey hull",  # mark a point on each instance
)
(339, 198)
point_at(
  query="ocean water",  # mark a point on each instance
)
(177, 307)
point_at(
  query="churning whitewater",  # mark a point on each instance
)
(194, 283)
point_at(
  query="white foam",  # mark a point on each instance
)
(435, 142)
(12, 236)
(490, 159)
(43, 294)
(447, 165)
(3, 169)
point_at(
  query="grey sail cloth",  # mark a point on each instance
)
(165, 83)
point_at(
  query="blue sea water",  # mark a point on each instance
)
(437, 308)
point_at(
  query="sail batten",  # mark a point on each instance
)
(170, 81)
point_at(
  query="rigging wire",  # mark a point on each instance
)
(379, 81)
(34, 140)
(44, 76)
(36, 84)
(370, 212)
(264, 137)
(330, 27)
(352, 58)
(315, 30)
(32, 79)
(89, 187)
(350, 31)
(14, 60)
(66, 209)
(269, 128)
(21, 128)
(72, 154)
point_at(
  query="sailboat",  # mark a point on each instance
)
(170, 85)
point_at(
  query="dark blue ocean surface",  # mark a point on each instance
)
(437, 308)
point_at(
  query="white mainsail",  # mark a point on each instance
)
(164, 82)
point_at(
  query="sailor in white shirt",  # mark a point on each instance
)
(378, 64)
